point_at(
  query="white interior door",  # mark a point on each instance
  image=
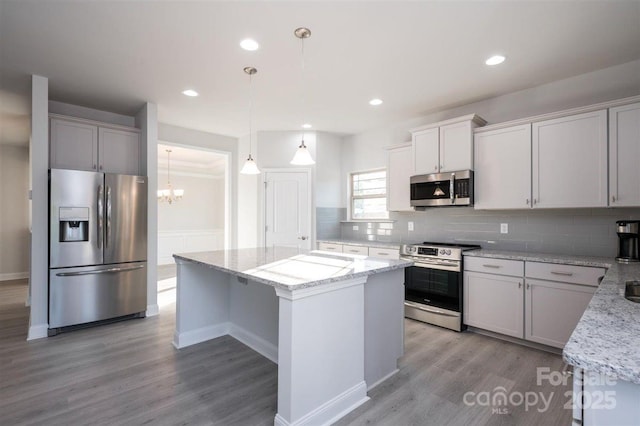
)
(287, 209)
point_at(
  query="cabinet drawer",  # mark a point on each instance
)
(494, 266)
(384, 253)
(586, 275)
(330, 247)
(355, 249)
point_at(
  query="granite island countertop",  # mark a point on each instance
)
(291, 268)
(607, 337)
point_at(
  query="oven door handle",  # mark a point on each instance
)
(430, 310)
(439, 266)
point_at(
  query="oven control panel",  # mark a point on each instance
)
(450, 252)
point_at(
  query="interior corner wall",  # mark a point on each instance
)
(38, 273)
(14, 212)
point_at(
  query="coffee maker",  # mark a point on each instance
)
(628, 235)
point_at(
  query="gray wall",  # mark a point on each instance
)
(14, 213)
(577, 231)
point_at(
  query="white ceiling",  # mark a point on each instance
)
(418, 56)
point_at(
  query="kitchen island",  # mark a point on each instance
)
(332, 322)
(604, 350)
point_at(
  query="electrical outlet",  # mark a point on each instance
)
(504, 228)
(410, 226)
(356, 227)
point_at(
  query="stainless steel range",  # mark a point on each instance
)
(433, 285)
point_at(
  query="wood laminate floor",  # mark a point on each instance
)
(128, 373)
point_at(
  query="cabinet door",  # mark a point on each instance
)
(553, 309)
(73, 145)
(456, 147)
(570, 161)
(330, 247)
(426, 154)
(399, 170)
(119, 151)
(494, 302)
(503, 168)
(624, 156)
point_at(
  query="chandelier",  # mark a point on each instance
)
(169, 194)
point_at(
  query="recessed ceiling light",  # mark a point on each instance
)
(306, 126)
(375, 102)
(190, 92)
(495, 60)
(249, 44)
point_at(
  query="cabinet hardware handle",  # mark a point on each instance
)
(519, 285)
(527, 201)
(613, 199)
(94, 167)
(435, 167)
(528, 285)
(381, 254)
(565, 274)
(492, 266)
(535, 201)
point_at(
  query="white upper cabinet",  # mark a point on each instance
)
(86, 145)
(569, 167)
(446, 146)
(399, 170)
(119, 151)
(503, 168)
(426, 152)
(74, 145)
(624, 156)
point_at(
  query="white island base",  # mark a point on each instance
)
(331, 341)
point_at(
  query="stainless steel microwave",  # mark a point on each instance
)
(442, 189)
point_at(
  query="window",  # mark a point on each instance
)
(368, 194)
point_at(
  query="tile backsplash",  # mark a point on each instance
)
(589, 232)
(328, 222)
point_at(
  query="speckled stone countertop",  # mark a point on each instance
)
(601, 262)
(363, 243)
(290, 268)
(607, 337)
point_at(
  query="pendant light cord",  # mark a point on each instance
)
(169, 168)
(303, 97)
(250, 110)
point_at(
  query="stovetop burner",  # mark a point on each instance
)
(457, 245)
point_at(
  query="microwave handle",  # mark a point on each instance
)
(451, 188)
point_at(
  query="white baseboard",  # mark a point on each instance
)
(332, 410)
(37, 331)
(382, 379)
(199, 335)
(258, 344)
(152, 310)
(14, 276)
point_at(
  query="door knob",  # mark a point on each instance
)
(302, 238)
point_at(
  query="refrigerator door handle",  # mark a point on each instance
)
(108, 237)
(100, 271)
(100, 215)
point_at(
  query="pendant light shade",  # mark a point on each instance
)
(302, 156)
(250, 167)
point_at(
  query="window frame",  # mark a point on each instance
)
(352, 197)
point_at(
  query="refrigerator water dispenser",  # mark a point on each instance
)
(74, 224)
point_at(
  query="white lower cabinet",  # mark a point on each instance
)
(536, 301)
(553, 309)
(385, 253)
(493, 302)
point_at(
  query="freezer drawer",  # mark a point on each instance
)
(86, 294)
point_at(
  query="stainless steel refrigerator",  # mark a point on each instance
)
(97, 247)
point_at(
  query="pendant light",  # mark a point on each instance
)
(169, 194)
(250, 167)
(302, 156)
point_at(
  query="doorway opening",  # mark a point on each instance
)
(199, 219)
